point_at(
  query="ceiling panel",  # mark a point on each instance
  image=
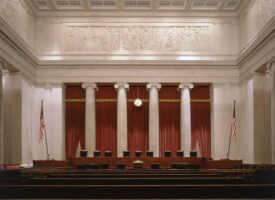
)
(128, 5)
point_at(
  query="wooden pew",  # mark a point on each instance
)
(138, 191)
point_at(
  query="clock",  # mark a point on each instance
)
(137, 102)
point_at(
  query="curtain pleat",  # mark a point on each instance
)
(138, 121)
(200, 121)
(106, 119)
(74, 120)
(169, 121)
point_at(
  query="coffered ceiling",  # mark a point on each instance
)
(198, 6)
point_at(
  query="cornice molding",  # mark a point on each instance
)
(15, 41)
(50, 62)
(260, 39)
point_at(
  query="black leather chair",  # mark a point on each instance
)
(149, 153)
(180, 153)
(193, 153)
(97, 154)
(154, 165)
(92, 166)
(126, 154)
(138, 154)
(104, 166)
(167, 154)
(108, 154)
(83, 153)
(121, 166)
(174, 165)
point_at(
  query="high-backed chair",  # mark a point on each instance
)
(167, 153)
(97, 154)
(121, 166)
(138, 154)
(108, 154)
(180, 153)
(154, 165)
(193, 153)
(92, 166)
(126, 154)
(174, 165)
(83, 153)
(149, 153)
(104, 166)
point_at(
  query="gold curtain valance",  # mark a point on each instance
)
(132, 100)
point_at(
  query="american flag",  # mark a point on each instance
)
(42, 123)
(234, 124)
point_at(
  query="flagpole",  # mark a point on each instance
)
(48, 155)
(227, 157)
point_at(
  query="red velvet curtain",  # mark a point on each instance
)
(138, 121)
(169, 118)
(106, 119)
(200, 121)
(74, 120)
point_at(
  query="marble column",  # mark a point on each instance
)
(122, 131)
(185, 117)
(273, 110)
(154, 117)
(1, 116)
(90, 123)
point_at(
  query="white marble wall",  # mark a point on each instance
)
(222, 96)
(53, 113)
(12, 124)
(255, 124)
(1, 114)
(26, 121)
(247, 118)
(19, 18)
(273, 110)
(254, 18)
(22, 120)
(262, 119)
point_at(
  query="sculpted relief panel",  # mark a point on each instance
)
(188, 38)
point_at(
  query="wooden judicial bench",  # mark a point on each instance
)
(164, 162)
(62, 179)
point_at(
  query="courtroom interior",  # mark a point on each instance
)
(137, 98)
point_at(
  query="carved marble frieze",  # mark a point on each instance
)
(139, 38)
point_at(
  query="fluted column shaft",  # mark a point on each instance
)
(90, 119)
(185, 117)
(154, 117)
(122, 131)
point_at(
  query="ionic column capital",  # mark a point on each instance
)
(185, 86)
(150, 86)
(124, 86)
(92, 85)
